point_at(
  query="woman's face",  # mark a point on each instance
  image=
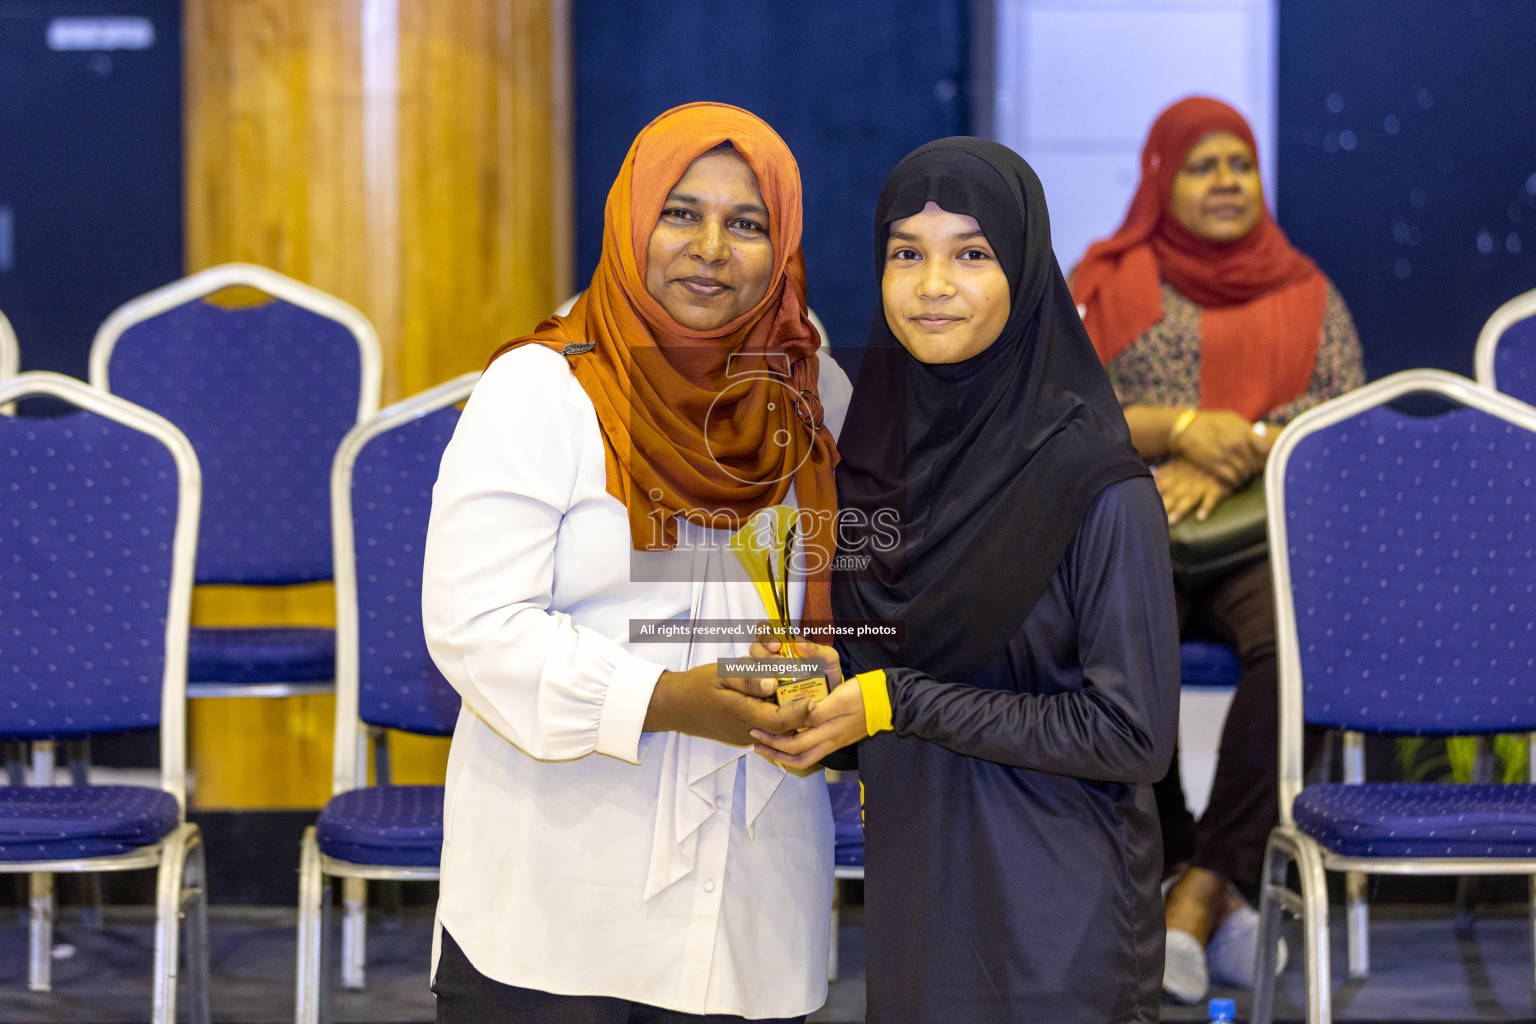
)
(945, 295)
(1217, 194)
(709, 258)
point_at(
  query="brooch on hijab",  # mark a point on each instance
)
(578, 348)
(809, 406)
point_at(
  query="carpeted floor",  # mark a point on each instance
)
(1421, 971)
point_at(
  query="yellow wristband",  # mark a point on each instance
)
(1179, 426)
(877, 700)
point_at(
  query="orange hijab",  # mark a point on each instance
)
(684, 432)
(1262, 300)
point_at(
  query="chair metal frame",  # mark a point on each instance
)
(10, 360)
(181, 887)
(234, 275)
(349, 765)
(1287, 843)
(1521, 307)
(10, 352)
(278, 286)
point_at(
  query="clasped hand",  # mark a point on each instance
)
(1217, 453)
(830, 723)
(1225, 446)
(1186, 488)
(733, 710)
(742, 712)
(700, 702)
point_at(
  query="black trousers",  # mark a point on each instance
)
(465, 996)
(1229, 839)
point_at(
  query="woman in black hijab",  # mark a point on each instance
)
(1012, 847)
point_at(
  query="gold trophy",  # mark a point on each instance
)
(766, 547)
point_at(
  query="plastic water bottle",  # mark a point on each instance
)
(1222, 1010)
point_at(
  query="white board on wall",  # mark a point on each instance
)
(1078, 83)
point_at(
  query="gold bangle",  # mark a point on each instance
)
(1179, 426)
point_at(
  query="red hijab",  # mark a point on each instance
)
(1261, 300)
(683, 437)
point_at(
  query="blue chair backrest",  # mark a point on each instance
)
(1514, 361)
(265, 393)
(87, 524)
(399, 685)
(1412, 553)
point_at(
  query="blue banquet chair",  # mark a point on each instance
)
(98, 531)
(1506, 349)
(265, 393)
(10, 366)
(381, 498)
(1404, 559)
(43, 752)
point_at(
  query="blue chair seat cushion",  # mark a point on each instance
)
(71, 822)
(287, 655)
(1420, 819)
(1208, 665)
(400, 826)
(847, 824)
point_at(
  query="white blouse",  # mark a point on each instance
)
(580, 854)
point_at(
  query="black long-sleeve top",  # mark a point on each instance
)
(1013, 856)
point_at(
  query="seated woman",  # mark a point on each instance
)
(1011, 846)
(1216, 333)
(610, 853)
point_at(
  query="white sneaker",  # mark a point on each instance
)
(1232, 953)
(1185, 978)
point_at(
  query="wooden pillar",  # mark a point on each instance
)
(413, 158)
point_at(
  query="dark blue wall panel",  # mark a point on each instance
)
(1408, 164)
(851, 86)
(90, 170)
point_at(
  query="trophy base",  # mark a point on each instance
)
(792, 691)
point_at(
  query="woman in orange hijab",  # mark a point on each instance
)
(1216, 333)
(610, 853)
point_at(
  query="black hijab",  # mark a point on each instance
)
(990, 464)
